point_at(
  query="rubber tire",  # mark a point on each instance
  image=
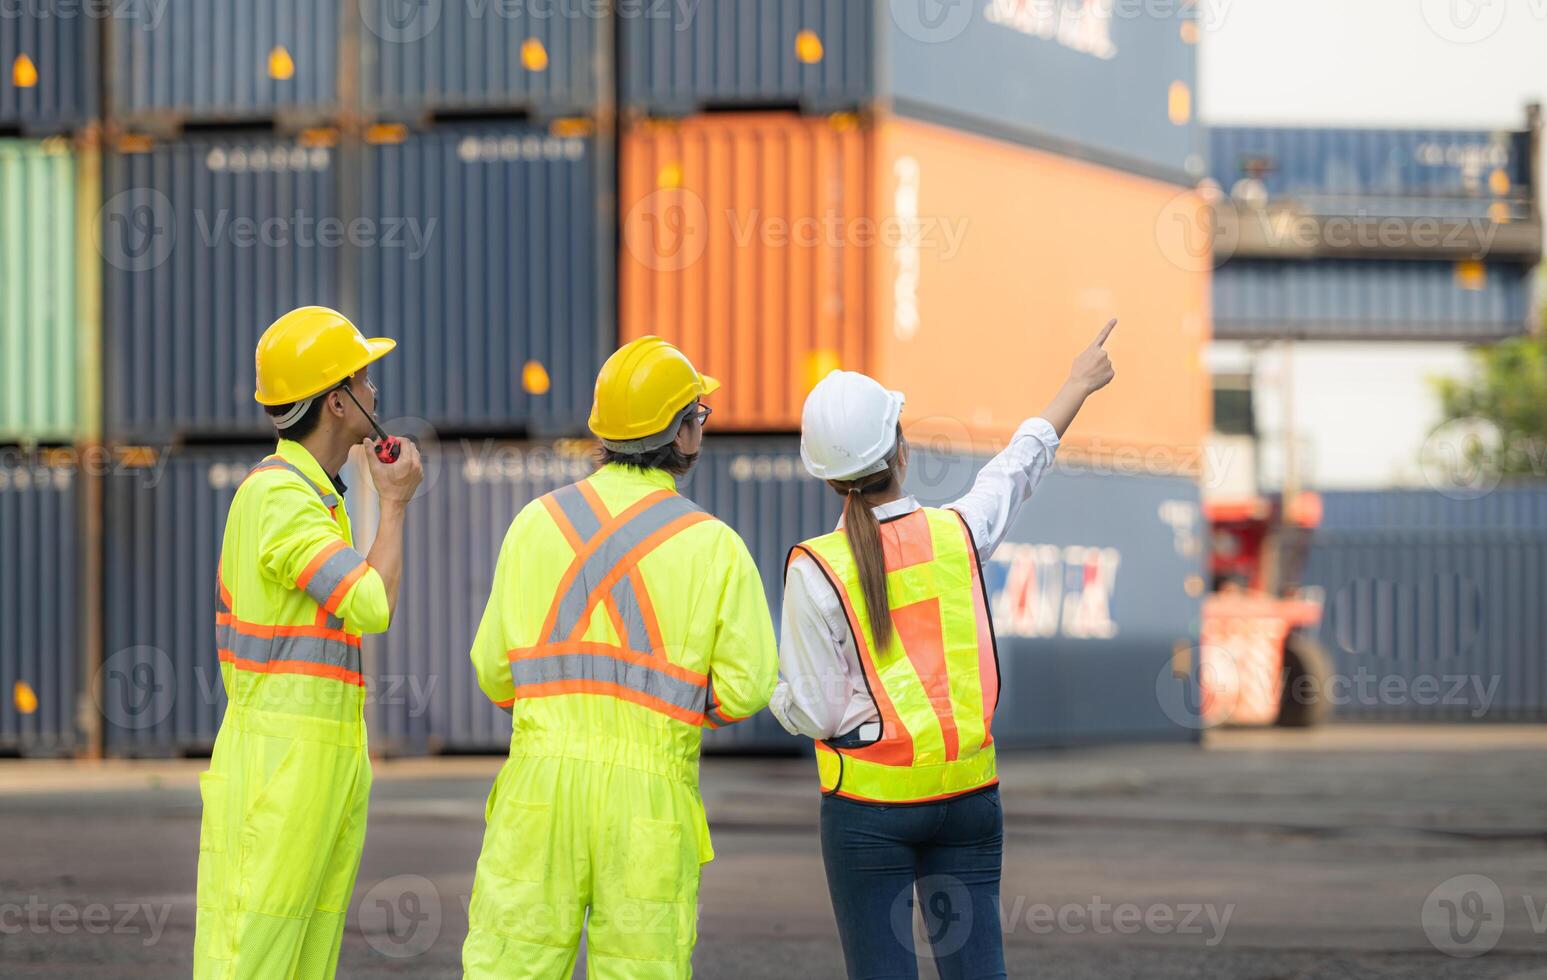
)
(1304, 657)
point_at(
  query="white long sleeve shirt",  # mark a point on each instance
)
(822, 692)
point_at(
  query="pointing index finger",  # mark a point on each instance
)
(1106, 331)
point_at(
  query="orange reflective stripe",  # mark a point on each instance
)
(595, 500)
(618, 653)
(315, 565)
(630, 559)
(562, 520)
(337, 598)
(263, 632)
(918, 629)
(647, 611)
(988, 659)
(553, 688)
(294, 667)
(639, 506)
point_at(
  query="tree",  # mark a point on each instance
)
(1507, 395)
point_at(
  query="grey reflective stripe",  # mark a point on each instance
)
(605, 558)
(575, 507)
(305, 649)
(329, 500)
(332, 574)
(334, 623)
(598, 667)
(627, 599)
(713, 711)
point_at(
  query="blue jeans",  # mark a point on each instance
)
(951, 851)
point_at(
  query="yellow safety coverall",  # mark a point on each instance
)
(622, 621)
(286, 791)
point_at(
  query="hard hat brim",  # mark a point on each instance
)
(711, 385)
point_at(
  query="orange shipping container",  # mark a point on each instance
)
(961, 270)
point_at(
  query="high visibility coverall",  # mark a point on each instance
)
(286, 791)
(623, 620)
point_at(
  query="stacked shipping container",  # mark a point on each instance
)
(49, 60)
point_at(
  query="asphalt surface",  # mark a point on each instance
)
(1348, 853)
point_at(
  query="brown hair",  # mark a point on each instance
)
(864, 533)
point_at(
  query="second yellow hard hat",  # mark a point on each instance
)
(641, 389)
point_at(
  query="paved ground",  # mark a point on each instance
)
(1269, 856)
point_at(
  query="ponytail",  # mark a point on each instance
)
(864, 534)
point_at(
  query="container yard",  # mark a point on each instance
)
(421, 404)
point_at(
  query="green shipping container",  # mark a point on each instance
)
(47, 356)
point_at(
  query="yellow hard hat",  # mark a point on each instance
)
(640, 391)
(309, 350)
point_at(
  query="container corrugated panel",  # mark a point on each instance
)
(1413, 172)
(49, 59)
(162, 529)
(491, 288)
(735, 247)
(1089, 596)
(40, 635)
(429, 697)
(1432, 604)
(466, 55)
(207, 241)
(40, 336)
(217, 60)
(1101, 80)
(676, 59)
(1370, 299)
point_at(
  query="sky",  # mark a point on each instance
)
(1446, 63)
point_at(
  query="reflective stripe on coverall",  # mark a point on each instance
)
(622, 621)
(937, 683)
(286, 791)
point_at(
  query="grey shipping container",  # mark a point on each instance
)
(49, 58)
(40, 634)
(208, 240)
(223, 60)
(1091, 594)
(1433, 603)
(163, 525)
(460, 55)
(494, 290)
(427, 696)
(1098, 79)
(1360, 299)
(1401, 172)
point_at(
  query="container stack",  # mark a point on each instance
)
(49, 373)
(807, 186)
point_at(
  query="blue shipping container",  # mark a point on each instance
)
(40, 632)
(1091, 594)
(1097, 79)
(1359, 299)
(542, 58)
(223, 60)
(1399, 172)
(207, 241)
(1433, 605)
(493, 291)
(49, 64)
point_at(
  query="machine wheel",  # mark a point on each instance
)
(1304, 658)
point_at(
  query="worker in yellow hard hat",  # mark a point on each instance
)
(285, 794)
(622, 621)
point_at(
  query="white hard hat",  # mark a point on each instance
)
(848, 428)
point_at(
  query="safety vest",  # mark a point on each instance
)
(937, 683)
(283, 649)
(627, 659)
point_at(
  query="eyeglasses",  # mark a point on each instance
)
(700, 414)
